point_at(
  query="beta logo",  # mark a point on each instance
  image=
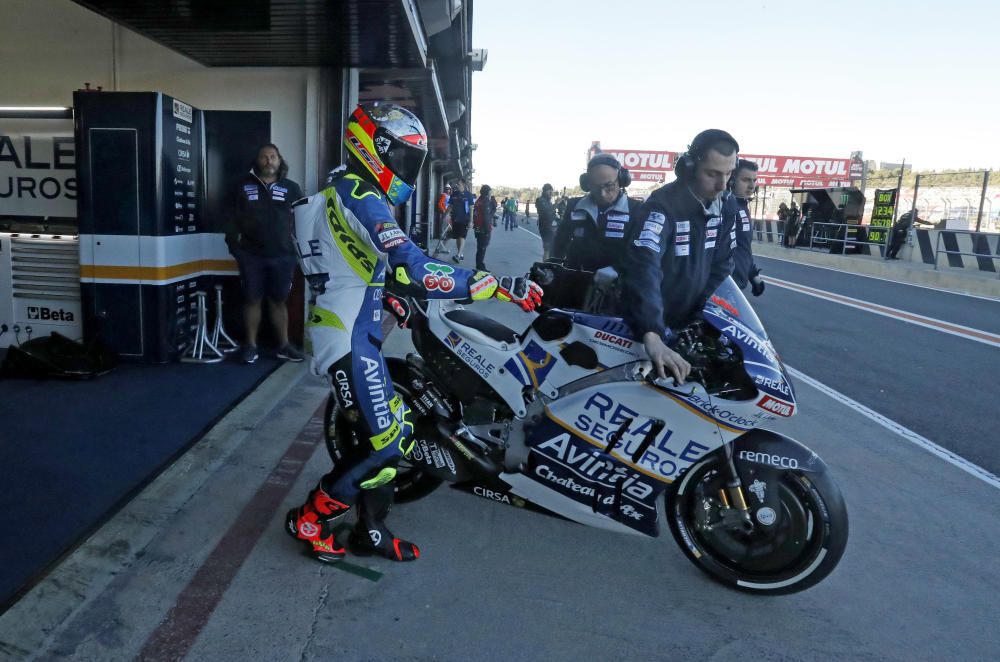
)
(767, 403)
(49, 315)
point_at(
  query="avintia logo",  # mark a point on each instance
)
(48, 314)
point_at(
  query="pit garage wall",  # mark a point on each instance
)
(49, 48)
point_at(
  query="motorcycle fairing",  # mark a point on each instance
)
(761, 457)
(730, 313)
(735, 417)
(570, 466)
(483, 354)
(571, 449)
(764, 447)
(531, 365)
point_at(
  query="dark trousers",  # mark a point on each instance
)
(895, 243)
(482, 241)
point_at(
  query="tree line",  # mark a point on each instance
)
(887, 178)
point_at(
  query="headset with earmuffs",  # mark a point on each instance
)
(687, 161)
(624, 176)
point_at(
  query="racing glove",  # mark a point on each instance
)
(522, 291)
(757, 286)
(399, 308)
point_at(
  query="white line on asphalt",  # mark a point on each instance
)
(529, 232)
(951, 458)
(887, 280)
(967, 332)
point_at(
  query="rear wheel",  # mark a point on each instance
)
(802, 548)
(411, 482)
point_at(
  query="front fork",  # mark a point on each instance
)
(736, 510)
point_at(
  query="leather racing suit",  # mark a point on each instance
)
(347, 237)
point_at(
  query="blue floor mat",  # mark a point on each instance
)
(73, 452)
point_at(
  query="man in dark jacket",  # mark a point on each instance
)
(679, 249)
(482, 224)
(259, 235)
(592, 232)
(900, 229)
(546, 219)
(737, 209)
(460, 208)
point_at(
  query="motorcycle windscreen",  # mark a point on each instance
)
(729, 311)
(728, 301)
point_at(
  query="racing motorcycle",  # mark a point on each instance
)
(569, 417)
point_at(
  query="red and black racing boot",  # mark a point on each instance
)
(313, 523)
(371, 536)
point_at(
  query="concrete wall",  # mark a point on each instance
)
(49, 48)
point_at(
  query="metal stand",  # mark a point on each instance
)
(197, 353)
(219, 334)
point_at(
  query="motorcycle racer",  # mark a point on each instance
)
(347, 239)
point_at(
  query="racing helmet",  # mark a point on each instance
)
(389, 145)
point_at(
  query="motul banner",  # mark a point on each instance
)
(644, 160)
(800, 171)
(779, 171)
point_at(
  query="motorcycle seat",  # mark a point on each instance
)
(485, 325)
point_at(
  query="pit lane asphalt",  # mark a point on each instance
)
(976, 312)
(938, 385)
(918, 579)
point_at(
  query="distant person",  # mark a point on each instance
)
(900, 230)
(546, 219)
(259, 235)
(791, 226)
(460, 208)
(506, 205)
(443, 220)
(593, 228)
(782, 212)
(738, 208)
(561, 207)
(482, 224)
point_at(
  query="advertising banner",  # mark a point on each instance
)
(800, 171)
(37, 168)
(778, 171)
(882, 213)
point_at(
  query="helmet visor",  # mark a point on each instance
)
(404, 159)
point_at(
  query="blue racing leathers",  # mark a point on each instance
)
(678, 251)
(347, 237)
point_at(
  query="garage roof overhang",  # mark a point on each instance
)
(278, 33)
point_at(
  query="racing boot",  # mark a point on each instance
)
(371, 536)
(313, 523)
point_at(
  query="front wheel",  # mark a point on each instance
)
(803, 548)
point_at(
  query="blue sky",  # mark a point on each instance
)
(919, 80)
